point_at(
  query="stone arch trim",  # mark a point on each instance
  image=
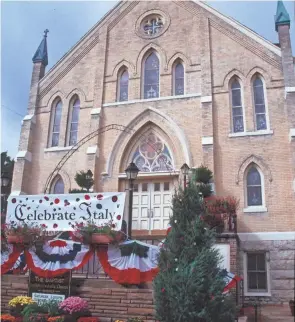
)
(230, 75)
(80, 93)
(53, 97)
(159, 119)
(187, 62)
(148, 48)
(253, 159)
(123, 63)
(258, 71)
(66, 179)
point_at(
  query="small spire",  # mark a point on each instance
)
(282, 17)
(41, 53)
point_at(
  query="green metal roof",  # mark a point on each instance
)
(41, 53)
(282, 17)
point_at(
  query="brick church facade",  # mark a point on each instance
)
(203, 89)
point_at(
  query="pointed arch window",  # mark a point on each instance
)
(57, 110)
(123, 86)
(152, 154)
(178, 82)
(237, 107)
(254, 187)
(151, 76)
(58, 186)
(74, 118)
(259, 102)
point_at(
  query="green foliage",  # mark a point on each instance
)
(47, 307)
(189, 285)
(83, 181)
(76, 190)
(7, 164)
(202, 174)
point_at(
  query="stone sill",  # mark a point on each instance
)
(257, 294)
(255, 209)
(60, 148)
(150, 174)
(254, 133)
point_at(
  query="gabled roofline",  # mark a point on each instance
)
(88, 33)
(245, 30)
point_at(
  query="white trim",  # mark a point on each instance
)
(206, 99)
(60, 148)
(24, 155)
(93, 150)
(149, 174)
(241, 28)
(207, 140)
(253, 133)
(291, 134)
(264, 236)
(95, 111)
(246, 293)
(289, 89)
(256, 208)
(30, 117)
(152, 99)
(17, 193)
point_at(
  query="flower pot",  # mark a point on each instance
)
(101, 239)
(291, 305)
(18, 239)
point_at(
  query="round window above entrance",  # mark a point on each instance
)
(152, 154)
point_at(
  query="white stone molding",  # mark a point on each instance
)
(24, 155)
(254, 133)
(273, 235)
(17, 193)
(206, 99)
(291, 134)
(150, 174)
(207, 140)
(95, 111)
(290, 89)
(30, 117)
(93, 150)
(60, 148)
(255, 209)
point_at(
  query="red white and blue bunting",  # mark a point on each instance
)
(9, 258)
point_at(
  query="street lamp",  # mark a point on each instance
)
(185, 172)
(89, 179)
(5, 182)
(131, 173)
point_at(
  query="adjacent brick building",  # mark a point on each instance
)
(201, 88)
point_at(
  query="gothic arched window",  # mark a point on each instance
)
(58, 186)
(75, 110)
(259, 102)
(152, 154)
(57, 110)
(151, 76)
(123, 86)
(254, 187)
(237, 107)
(178, 79)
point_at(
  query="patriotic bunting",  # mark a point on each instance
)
(9, 258)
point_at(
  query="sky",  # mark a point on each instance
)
(23, 23)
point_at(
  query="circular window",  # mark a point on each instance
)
(152, 24)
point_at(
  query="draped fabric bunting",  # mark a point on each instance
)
(231, 280)
(9, 258)
(132, 269)
(56, 257)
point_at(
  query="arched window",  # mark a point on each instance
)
(152, 154)
(74, 119)
(58, 186)
(57, 110)
(123, 86)
(259, 102)
(151, 76)
(237, 107)
(178, 79)
(254, 187)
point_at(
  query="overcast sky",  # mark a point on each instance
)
(22, 30)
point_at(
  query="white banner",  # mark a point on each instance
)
(60, 212)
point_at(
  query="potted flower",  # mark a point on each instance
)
(24, 233)
(91, 233)
(7, 318)
(74, 307)
(291, 305)
(18, 303)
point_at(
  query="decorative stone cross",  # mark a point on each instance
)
(153, 27)
(46, 31)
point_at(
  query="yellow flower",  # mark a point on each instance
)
(21, 300)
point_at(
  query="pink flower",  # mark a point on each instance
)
(73, 304)
(55, 225)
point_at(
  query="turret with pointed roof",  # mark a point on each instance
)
(41, 53)
(282, 17)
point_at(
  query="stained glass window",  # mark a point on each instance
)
(153, 26)
(259, 102)
(179, 79)
(56, 123)
(74, 123)
(58, 187)
(254, 190)
(151, 76)
(237, 108)
(123, 86)
(152, 154)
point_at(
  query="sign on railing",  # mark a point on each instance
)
(60, 212)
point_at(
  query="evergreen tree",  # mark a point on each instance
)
(189, 285)
(84, 180)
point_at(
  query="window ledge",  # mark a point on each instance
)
(257, 294)
(151, 174)
(255, 209)
(254, 133)
(60, 148)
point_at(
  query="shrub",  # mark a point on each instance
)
(73, 304)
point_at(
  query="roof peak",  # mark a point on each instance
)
(282, 17)
(41, 54)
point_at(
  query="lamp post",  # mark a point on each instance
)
(89, 180)
(131, 173)
(185, 172)
(5, 182)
